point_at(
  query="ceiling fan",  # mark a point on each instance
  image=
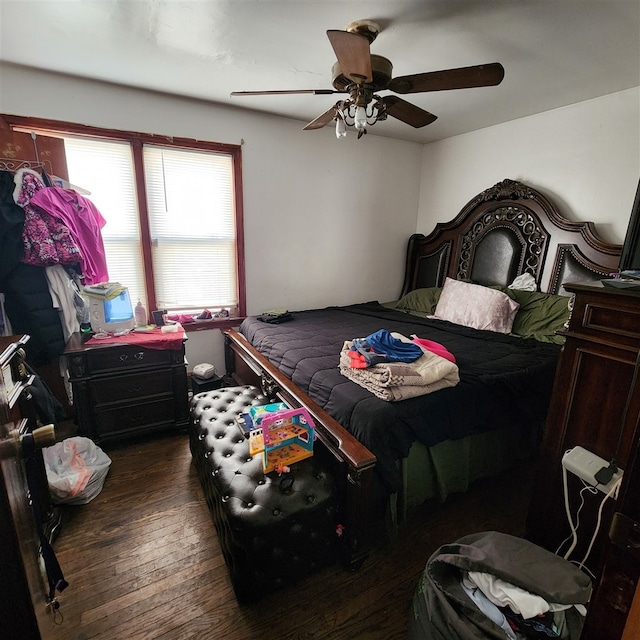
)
(361, 74)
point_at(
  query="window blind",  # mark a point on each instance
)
(190, 201)
(105, 168)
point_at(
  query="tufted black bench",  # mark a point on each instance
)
(272, 529)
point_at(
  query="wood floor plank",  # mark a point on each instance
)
(144, 563)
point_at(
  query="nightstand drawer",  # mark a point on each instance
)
(125, 358)
(136, 386)
(141, 416)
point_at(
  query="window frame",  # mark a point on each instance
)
(137, 141)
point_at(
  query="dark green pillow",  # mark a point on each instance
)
(540, 316)
(420, 301)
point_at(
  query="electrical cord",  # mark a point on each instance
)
(574, 527)
(587, 488)
(614, 490)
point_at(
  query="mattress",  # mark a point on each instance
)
(504, 380)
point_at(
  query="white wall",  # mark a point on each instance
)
(326, 221)
(585, 157)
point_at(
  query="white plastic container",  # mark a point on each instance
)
(140, 314)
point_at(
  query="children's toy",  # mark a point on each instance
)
(245, 423)
(250, 424)
(257, 413)
(284, 437)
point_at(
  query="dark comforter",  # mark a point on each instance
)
(504, 380)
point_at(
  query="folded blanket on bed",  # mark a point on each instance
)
(393, 381)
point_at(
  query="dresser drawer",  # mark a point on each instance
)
(132, 386)
(606, 316)
(125, 358)
(141, 416)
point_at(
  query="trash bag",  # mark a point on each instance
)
(76, 470)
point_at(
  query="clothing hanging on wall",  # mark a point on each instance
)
(84, 221)
(47, 241)
(5, 325)
(30, 309)
(66, 298)
(27, 304)
(11, 225)
(49, 238)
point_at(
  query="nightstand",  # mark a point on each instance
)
(121, 390)
(199, 385)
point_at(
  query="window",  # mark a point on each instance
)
(190, 203)
(173, 210)
(105, 169)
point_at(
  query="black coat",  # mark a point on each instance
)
(11, 225)
(30, 310)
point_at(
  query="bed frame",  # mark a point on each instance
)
(501, 233)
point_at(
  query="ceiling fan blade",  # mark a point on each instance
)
(354, 56)
(322, 120)
(407, 112)
(316, 92)
(482, 75)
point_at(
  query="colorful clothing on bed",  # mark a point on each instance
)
(393, 381)
(434, 347)
(392, 347)
(363, 354)
(46, 240)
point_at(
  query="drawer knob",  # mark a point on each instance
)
(124, 357)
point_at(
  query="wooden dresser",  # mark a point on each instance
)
(121, 390)
(595, 405)
(25, 506)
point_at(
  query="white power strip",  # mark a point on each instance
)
(585, 465)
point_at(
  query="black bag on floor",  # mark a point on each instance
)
(442, 610)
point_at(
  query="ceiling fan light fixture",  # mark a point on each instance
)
(361, 74)
(341, 126)
(360, 118)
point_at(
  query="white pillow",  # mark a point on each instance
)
(473, 305)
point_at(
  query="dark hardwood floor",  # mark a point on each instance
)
(143, 561)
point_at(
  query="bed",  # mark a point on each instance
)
(391, 454)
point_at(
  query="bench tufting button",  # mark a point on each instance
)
(261, 481)
(225, 498)
(311, 499)
(248, 459)
(276, 512)
(249, 505)
(228, 454)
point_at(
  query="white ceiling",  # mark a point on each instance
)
(555, 52)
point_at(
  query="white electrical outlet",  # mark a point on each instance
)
(585, 465)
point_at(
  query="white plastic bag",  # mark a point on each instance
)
(76, 470)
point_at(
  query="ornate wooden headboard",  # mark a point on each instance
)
(503, 232)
